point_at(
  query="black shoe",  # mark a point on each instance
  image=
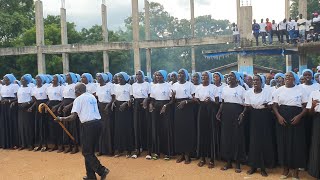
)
(105, 173)
(251, 171)
(87, 178)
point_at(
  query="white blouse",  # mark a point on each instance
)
(104, 92)
(9, 91)
(161, 91)
(294, 96)
(69, 91)
(310, 88)
(55, 93)
(315, 95)
(257, 100)
(141, 90)
(218, 91)
(204, 92)
(233, 95)
(183, 90)
(122, 92)
(91, 88)
(40, 93)
(24, 94)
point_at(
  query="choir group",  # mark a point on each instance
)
(262, 121)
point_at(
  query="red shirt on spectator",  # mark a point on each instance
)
(268, 27)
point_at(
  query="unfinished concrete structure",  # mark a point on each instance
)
(244, 63)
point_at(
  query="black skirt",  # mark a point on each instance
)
(9, 136)
(314, 158)
(72, 126)
(184, 128)
(261, 148)
(55, 135)
(162, 129)
(106, 138)
(123, 129)
(206, 145)
(41, 124)
(232, 145)
(291, 139)
(26, 126)
(140, 125)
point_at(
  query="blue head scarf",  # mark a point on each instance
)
(308, 70)
(164, 74)
(42, 77)
(278, 75)
(33, 81)
(60, 79)
(296, 78)
(78, 77)
(27, 78)
(199, 76)
(142, 74)
(63, 76)
(238, 78)
(88, 76)
(125, 76)
(49, 78)
(263, 80)
(172, 73)
(220, 75)
(110, 77)
(18, 82)
(148, 79)
(10, 77)
(104, 76)
(73, 76)
(209, 75)
(272, 80)
(185, 73)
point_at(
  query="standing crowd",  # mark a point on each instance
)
(262, 121)
(295, 30)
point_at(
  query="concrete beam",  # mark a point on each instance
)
(288, 63)
(287, 9)
(18, 51)
(303, 8)
(193, 56)
(105, 36)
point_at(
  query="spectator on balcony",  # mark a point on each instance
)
(302, 28)
(269, 30)
(263, 32)
(275, 30)
(282, 27)
(256, 31)
(236, 35)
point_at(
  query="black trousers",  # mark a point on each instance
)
(90, 133)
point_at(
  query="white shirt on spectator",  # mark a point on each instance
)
(274, 26)
(300, 21)
(262, 27)
(283, 25)
(86, 107)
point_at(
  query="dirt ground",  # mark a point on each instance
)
(51, 165)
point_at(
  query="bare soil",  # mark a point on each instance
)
(28, 165)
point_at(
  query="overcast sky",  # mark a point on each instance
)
(86, 13)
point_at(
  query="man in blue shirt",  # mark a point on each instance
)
(256, 31)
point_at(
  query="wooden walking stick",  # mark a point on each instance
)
(55, 117)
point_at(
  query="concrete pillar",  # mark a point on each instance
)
(193, 56)
(40, 37)
(303, 8)
(238, 12)
(302, 63)
(287, 9)
(135, 32)
(147, 36)
(64, 39)
(288, 63)
(245, 63)
(105, 36)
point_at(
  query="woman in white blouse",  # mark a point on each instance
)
(140, 91)
(123, 124)
(25, 118)
(87, 79)
(314, 157)
(184, 122)
(261, 149)
(104, 91)
(162, 124)
(289, 107)
(9, 122)
(232, 147)
(55, 96)
(206, 124)
(39, 95)
(69, 95)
